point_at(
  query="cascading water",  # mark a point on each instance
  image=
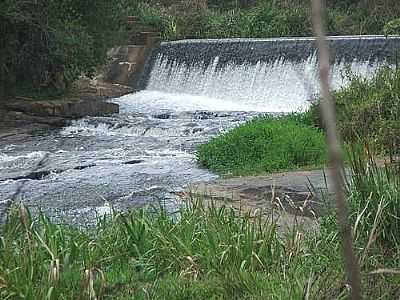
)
(193, 91)
(274, 75)
(279, 86)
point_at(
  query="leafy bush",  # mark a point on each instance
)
(368, 110)
(392, 27)
(265, 145)
(264, 20)
(153, 15)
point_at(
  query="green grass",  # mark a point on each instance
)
(202, 253)
(207, 253)
(265, 144)
(375, 192)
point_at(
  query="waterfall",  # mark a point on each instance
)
(272, 75)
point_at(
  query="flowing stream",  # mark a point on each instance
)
(146, 154)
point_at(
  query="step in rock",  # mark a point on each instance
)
(128, 53)
(134, 53)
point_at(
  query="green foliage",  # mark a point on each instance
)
(48, 44)
(374, 192)
(392, 27)
(368, 110)
(264, 145)
(184, 19)
(149, 14)
(204, 252)
(265, 18)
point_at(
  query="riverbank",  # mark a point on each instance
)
(28, 115)
(201, 252)
(209, 250)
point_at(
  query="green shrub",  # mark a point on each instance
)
(150, 15)
(368, 110)
(392, 27)
(271, 20)
(267, 18)
(265, 145)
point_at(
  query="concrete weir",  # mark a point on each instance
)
(280, 74)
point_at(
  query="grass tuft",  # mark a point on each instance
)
(265, 145)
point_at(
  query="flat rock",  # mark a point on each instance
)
(25, 115)
(298, 197)
(66, 108)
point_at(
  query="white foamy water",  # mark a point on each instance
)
(21, 161)
(281, 86)
(150, 101)
(151, 128)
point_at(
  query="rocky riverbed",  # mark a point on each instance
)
(143, 155)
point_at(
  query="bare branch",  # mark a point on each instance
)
(335, 155)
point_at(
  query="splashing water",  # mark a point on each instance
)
(194, 91)
(279, 86)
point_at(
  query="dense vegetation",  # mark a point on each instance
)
(264, 145)
(46, 45)
(265, 18)
(368, 111)
(206, 252)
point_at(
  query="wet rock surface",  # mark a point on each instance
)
(16, 122)
(292, 197)
(67, 108)
(25, 115)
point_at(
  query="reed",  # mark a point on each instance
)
(202, 252)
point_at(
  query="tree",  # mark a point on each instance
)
(47, 44)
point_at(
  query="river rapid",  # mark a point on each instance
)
(143, 156)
